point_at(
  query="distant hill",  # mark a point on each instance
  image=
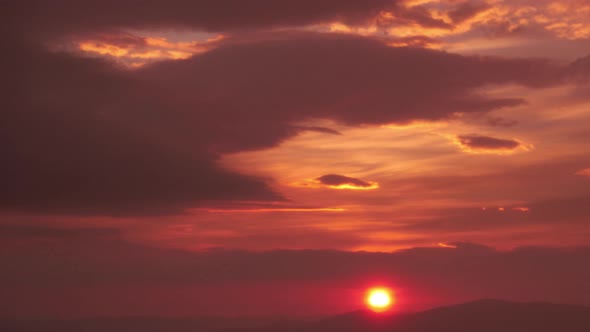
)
(479, 316)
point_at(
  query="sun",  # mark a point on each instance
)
(379, 299)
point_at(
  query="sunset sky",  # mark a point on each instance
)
(265, 157)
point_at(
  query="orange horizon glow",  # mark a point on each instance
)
(276, 210)
(521, 209)
(314, 184)
(373, 185)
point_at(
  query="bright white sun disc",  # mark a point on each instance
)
(379, 299)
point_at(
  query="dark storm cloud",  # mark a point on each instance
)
(335, 76)
(337, 180)
(80, 136)
(487, 143)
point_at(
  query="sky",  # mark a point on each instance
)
(263, 157)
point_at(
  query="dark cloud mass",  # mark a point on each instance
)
(81, 136)
(487, 143)
(66, 16)
(337, 180)
(335, 76)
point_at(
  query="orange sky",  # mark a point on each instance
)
(419, 171)
(347, 125)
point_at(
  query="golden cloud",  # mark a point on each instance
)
(568, 19)
(134, 51)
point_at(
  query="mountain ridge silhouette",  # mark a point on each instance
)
(487, 315)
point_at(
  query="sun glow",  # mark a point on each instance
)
(380, 299)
